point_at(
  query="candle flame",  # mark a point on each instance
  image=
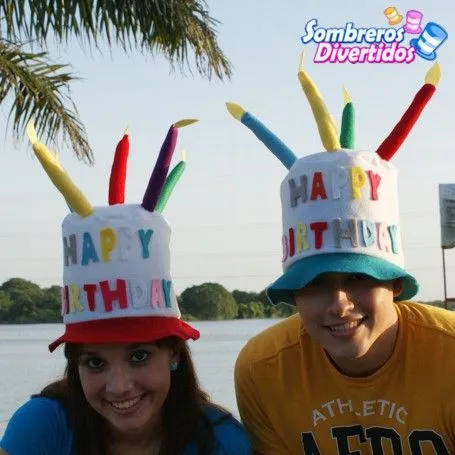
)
(235, 110)
(433, 75)
(185, 122)
(31, 132)
(346, 96)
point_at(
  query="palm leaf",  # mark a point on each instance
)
(39, 90)
(173, 28)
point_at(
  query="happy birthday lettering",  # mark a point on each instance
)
(81, 248)
(329, 185)
(116, 295)
(358, 233)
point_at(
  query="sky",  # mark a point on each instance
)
(225, 211)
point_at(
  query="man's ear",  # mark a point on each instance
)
(397, 287)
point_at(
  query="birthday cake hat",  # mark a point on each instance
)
(117, 286)
(340, 207)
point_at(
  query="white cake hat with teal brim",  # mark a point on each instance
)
(340, 209)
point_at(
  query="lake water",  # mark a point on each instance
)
(26, 365)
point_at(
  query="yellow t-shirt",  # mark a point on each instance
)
(292, 400)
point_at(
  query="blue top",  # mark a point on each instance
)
(41, 427)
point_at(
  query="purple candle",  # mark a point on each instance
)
(159, 174)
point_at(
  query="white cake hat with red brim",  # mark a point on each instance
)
(117, 285)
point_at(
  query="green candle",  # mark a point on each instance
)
(170, 183)
(347, 123)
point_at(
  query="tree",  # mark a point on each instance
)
(209, 301)
(282, 310)
(261, 306)
(39, 89)
(251, 310)
(5, 307)
(262, 297)
(24, 296)
(244, 297)
(19, 285)
(48, 305)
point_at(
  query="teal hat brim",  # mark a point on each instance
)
(302, 272)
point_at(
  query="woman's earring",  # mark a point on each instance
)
(174, 365)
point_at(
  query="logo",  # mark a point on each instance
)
(397, 42)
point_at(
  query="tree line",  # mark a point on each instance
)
(25, 302)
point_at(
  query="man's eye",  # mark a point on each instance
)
(139, 356)
(357, 277)
(362, 278)
(316, 282)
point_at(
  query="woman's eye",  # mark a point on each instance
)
(93, 363)
(139, 356)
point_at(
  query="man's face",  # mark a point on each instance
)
(353, 317)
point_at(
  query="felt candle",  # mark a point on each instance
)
(393, 141)
(58, 162)
(118, 172)
(74, 197)
(347, 122)
(170, 183)
(161, 168)
(270, 140)
(325, 123)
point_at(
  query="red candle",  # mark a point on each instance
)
(118, 172)
(393, 141)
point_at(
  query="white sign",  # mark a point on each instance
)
(447, 211)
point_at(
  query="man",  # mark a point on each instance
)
(358, 369)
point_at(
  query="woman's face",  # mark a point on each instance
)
(126, 384)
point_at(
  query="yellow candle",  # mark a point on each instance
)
(326, 125)
(77, 201)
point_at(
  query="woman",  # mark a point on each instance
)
(129, 386)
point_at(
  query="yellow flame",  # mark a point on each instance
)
(31, 133)
(346, 96)
(235, 110)
(184, 154)
(434, 74)
(185, 122)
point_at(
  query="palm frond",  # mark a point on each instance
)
(171, 27)
(39, 90)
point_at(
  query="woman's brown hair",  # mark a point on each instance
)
(183, 414)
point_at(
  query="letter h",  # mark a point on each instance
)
(296, 192)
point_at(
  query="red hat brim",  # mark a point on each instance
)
(126, 330)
